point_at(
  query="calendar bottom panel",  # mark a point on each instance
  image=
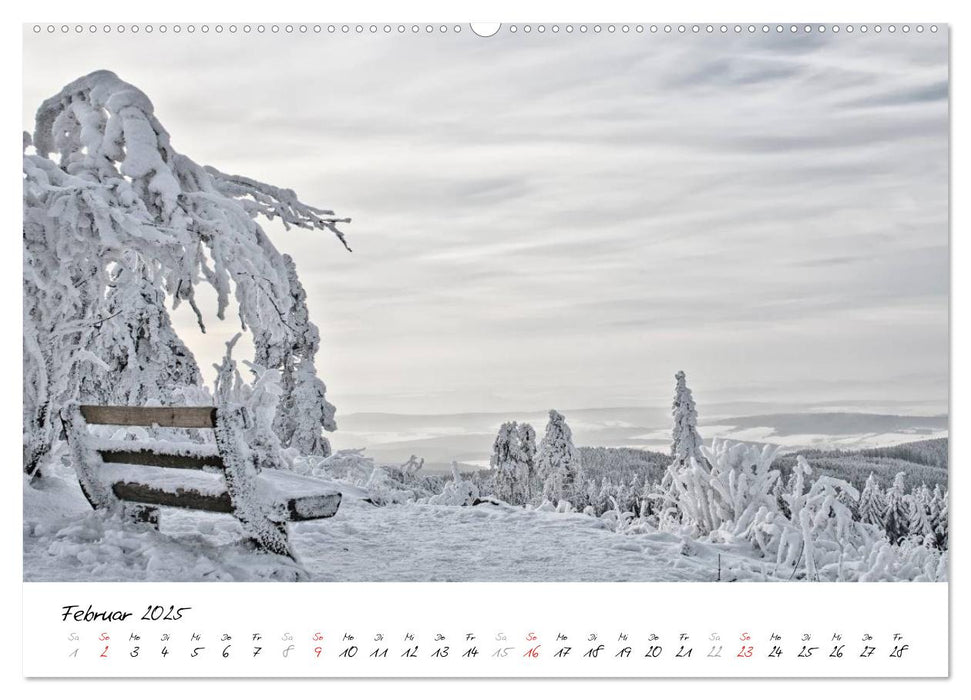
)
(485, 630)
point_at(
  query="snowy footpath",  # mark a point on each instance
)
(65, 540)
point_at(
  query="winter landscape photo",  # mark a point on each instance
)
(553, 305)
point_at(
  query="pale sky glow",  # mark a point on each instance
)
(567, 220)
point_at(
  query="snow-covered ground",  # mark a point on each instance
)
(65, 540)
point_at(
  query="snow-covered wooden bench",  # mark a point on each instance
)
(136, 478)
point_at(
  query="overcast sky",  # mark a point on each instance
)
(568, 220)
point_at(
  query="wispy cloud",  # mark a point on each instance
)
(570, 219)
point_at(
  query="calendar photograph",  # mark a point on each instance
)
(587, 303)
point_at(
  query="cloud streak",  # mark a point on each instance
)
(571, 219)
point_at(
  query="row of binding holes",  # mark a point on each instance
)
(711, 28)
(512, 28)
(255, 29)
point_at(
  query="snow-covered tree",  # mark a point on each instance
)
(632, 496)
(557, 461)
(506, 462)
(113, 213)
(918, 525)
(939, 523)
(686, 445)
(896, 519)
(872, 506)
(304, 408)
(685, 440)
(142, 360)
(778, 491)
(647, 504)
(527, 469)
(918, 516)
(602, 501)
(934, 506)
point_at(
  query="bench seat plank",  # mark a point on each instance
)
(290, 497)
(181, 497)
(162, 447)
(298, 497)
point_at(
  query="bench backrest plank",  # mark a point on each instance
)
(162, 416)
(154, 459)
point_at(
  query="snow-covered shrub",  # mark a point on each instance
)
(724, 490)
(617, 519)
(457, 491)
(820, 531)
(383, 491)
(258, 401)
(546, 507)
(908, 561)
(409, 478)
(385, 484)
(610, 519)
(348, 466)
(809, 526)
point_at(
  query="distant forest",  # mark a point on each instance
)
(922, 462)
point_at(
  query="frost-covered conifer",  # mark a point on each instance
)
(918, 512)
(591, 491)
(106, 200)
(304, 409)
(647, 502)
(527, 467)
(304, 406)
(940, 524)
(506, 463)
(686, 446)
(557, 461)
(602, 503)
(872, 503)
(685, 440)
(895, 518)
(778, 490)
(143, 361)
(934, 505)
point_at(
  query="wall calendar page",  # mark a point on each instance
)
(466, 350)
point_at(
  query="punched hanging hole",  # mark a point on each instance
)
(485, 29)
